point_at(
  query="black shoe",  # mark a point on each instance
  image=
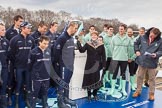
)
(61, 103)
(69, 101)
(9, 97)
(146, 84)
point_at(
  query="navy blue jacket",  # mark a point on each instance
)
(53, 37)
(11, 32)
(142, 45)
(19, 50)
(64, 51)
(4, 45)
(39, 63)
(36, 35)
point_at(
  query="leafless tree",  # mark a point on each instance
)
(61, 17)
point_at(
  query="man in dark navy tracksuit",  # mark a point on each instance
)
(20, 47)
(42, 28)
(64, 57)
(15, 28)
(4, 44)
(10, 33)
(53, 35)
(39, 63)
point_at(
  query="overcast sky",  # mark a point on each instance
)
(145, 13)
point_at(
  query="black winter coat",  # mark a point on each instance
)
(95, 57)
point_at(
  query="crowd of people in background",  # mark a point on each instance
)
(27, 58)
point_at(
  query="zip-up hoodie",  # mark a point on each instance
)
(11, 32)
(39, 63)
(64, 51)
(107, 43)
(53, 37)
(120, 48)
(36, 35)
(86, 38)
(132, 53)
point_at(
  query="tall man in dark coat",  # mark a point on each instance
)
(42, 28)
(20, 47)
(53, 34)
(64, 57)
(10, 33)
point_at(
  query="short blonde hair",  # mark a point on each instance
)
(95, 32)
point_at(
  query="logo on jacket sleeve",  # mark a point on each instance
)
(29, 41)
(47, 53)
(12, 33)
(4, 43)
(29, 61)
(58, 46)
(19, 41)
(156, 44)
(38, 53)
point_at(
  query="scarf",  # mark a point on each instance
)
(94, 42)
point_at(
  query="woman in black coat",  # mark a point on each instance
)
(95, 57)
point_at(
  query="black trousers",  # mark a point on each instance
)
(109, 66)
(40, 87)
(119, 64)
(132, 68)
(94, 92)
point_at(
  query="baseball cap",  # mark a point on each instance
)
(26, 24)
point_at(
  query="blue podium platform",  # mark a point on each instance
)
(107, 101)
(128, 102)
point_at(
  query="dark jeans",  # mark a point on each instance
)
(23, 76)
(66, 75)
(11, 76)
(94, 92)
(4, 76)
(40, 87)
(56, 72)
(108, 65)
